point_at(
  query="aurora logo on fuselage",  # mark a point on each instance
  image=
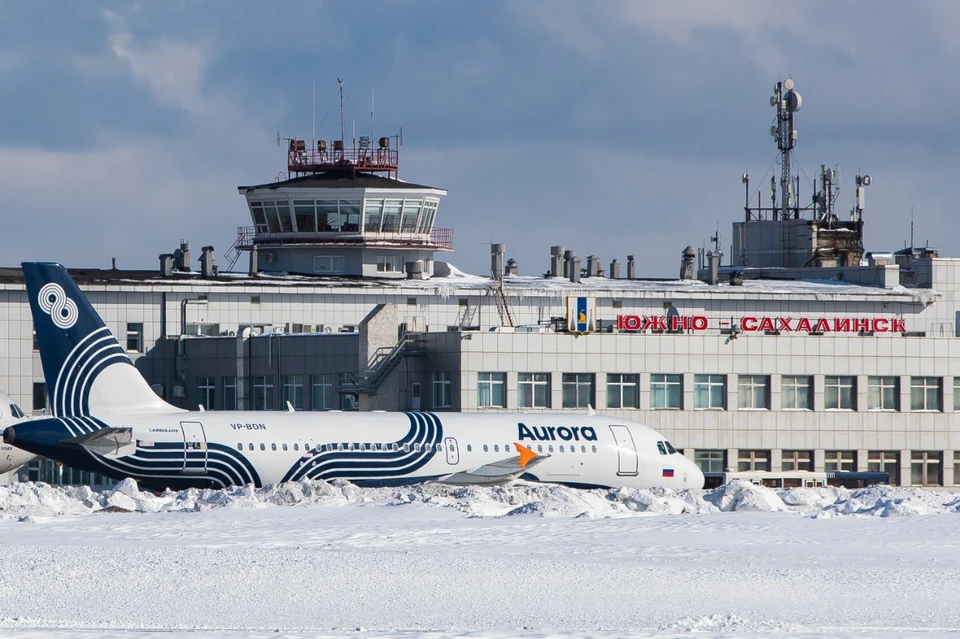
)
(553, 433)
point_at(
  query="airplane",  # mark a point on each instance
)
(106, 419)
(11, 457)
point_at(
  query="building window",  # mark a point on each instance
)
(924, 393)
(390, 264)
(884, 461)
(328, 264)
(622, 390)
(956, 468)
(796, 460)
(795, 392)
(230, 393)
(533, 390)
(263, 393)
(666, 391)
(39, 396)
(753, 392)
(840, 461)
(135, 337)
(202, 329)
(925, 468)
(711, 461)
(577, 390)
(753, 460)
(710, 392)
(883, 393)
(322, 392)
(492, 390)
(293, 391)
(441, 390)
(206, 392)
(839, 392)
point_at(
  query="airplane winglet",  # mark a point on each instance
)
(290, 407)
(590, 410)
(525, 454)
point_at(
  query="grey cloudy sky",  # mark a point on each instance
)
(610, 127)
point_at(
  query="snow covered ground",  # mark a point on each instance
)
(332, 560)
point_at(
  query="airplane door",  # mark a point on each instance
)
(453, 452)
(194, 440)
(629, 464)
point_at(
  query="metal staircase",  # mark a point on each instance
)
(383, 361)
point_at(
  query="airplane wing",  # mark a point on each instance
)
(106, 441)
(497, 472)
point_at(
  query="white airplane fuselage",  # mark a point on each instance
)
(11, 457)
(216, 449)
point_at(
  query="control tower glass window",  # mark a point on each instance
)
(328, 216)
(411, 215)
(391, 215)
(350, 216)
(283, 214)
(305, 215)
(428, 215)
(259, 219)
(372, 215)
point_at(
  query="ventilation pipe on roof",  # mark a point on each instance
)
(511, 267)
(615, 269)
(182, 255)
(166, 265)
(556, 261)
(631, 268)
(573, 266)
(497, 252)
(207, 269)
(687, 259)
(254, 265)
(568, 257)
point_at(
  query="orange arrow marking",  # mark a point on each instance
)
(525, 454)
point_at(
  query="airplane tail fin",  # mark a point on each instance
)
(87, 372)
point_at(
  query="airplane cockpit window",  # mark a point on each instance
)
(661, 448)
(16, 412)
(673, 451)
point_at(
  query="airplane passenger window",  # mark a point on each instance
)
(539, 448)
(416, 448)
(263, 446)
(296, 446)
(250, 446)
(469, 448)
(561, 448)
(485, 448)
(583, 449)
(349, 446)
(594, 449)
(496, 448)
(273, 446)
(440, 447)
(239, 446)
(406, 447)
(284, 446)
(550, 448)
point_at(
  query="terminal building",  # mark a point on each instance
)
(797, 352)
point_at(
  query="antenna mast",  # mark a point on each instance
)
(787, 101)
(340, 82)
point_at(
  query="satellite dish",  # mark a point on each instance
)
(788, 84)
(867, 180)
(794, 101)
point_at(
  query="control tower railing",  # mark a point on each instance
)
(316, 161)
(440, 239)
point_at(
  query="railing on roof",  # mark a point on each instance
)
(316, 161)
(440, 239)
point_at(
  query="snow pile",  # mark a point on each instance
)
(28, 501)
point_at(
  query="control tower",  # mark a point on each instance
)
(342, 211)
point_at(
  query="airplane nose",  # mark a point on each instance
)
(696, 476)
(9, 435)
